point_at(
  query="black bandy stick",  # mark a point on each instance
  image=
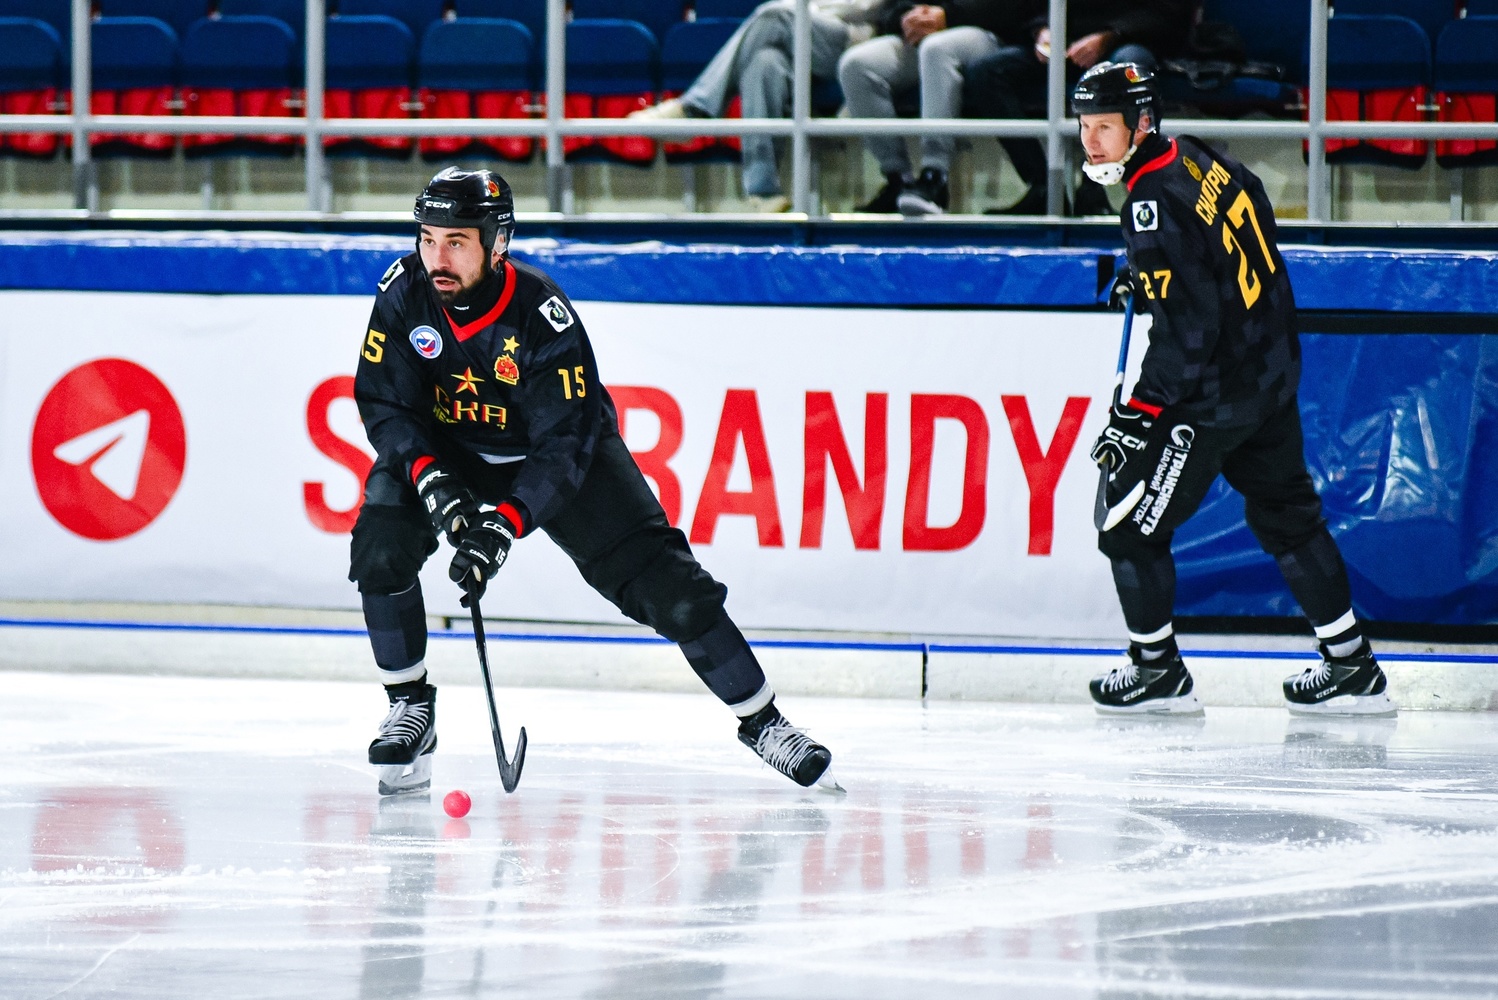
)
(509, 771)
(1100, 505)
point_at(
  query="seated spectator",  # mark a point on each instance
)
(756, 62)
(925, 46)
(1011, 83)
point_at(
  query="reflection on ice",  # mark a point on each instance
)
(151, 847)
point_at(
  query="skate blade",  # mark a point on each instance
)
(1345, 705)
(827, 783)
(1186, 704)
(401, 779)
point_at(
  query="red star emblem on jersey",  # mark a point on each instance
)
(468, 382)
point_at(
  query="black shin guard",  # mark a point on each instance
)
(1147, 591)
(397, 627)
(722, 658)
(1318, 579)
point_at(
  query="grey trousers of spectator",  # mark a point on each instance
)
(875, 72)
(756, 61)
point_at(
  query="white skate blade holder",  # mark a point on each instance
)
(398, 779)
(1348, 705)
(1186, 704)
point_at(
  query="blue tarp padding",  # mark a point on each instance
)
(271, 264)
(1403, 445)
(1401, 429)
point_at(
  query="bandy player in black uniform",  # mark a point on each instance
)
(1216, 394)
(477, 385)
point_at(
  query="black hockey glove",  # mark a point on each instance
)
(1123, 439)
(482, 549)
(446, 501)
(1122, 288)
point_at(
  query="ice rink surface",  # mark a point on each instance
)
(192, 838)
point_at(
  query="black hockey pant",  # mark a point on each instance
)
(1266, 464)
(614, 530)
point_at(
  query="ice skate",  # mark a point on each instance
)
(1146, 687)
(1340, 685)
(403, 750)
(788, 749)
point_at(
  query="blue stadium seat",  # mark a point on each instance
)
(688, 48)
(1378, 69)
(656, 15)
(531, 13)
(135, 72)
(239, 66)
(369, 62)
(57, 14)
(179, 15)
(32, 75)
(612, 69)
(1431, 15)
(418, 15)
(726, 8)
(1274, 31)
(292, 13)
(1465, 79)
(477, 68)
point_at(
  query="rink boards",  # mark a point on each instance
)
(855, 440)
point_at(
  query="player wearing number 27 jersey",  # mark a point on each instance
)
(1216, 395)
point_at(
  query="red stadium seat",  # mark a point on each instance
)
(611, 71)
(369, 76)
(1378, 70)
(134, 73)
(477, 68)
(1466, 83)
(239, 66)
(31, 75)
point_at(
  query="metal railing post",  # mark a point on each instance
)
(556, 97)
(316, 64)
(801, 109)
(1055, 187)
(85, 186)
(1318, 178)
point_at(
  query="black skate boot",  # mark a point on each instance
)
(1139, 687)
(1340, 685)
(787, 749)
(403, 750)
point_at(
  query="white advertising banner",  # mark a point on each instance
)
(870, 470)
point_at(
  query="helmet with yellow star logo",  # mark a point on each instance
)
(469, 199)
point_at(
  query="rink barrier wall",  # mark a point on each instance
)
(939, 671)
(1411, 422)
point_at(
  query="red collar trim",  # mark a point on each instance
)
(464, 332)
(1160, 161)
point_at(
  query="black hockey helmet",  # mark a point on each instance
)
(1127, 88)
(469, 199)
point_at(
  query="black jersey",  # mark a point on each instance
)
(1201, 240)
(518, 383)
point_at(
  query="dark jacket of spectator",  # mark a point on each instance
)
(1162, 26)
(1005, 18)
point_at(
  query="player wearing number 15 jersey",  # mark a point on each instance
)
(1216, 395)
(481, 396)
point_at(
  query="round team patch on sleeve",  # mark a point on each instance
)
(428, 342)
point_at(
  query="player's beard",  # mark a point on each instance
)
(462, 291)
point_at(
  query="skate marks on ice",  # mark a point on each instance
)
(182, 838)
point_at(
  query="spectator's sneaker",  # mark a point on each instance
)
(887, 201)
(672, 108)
(769, 204)
(1092, 199)
(1162, 686)
(1340, 685)
(1033, 203)
(927, 196)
